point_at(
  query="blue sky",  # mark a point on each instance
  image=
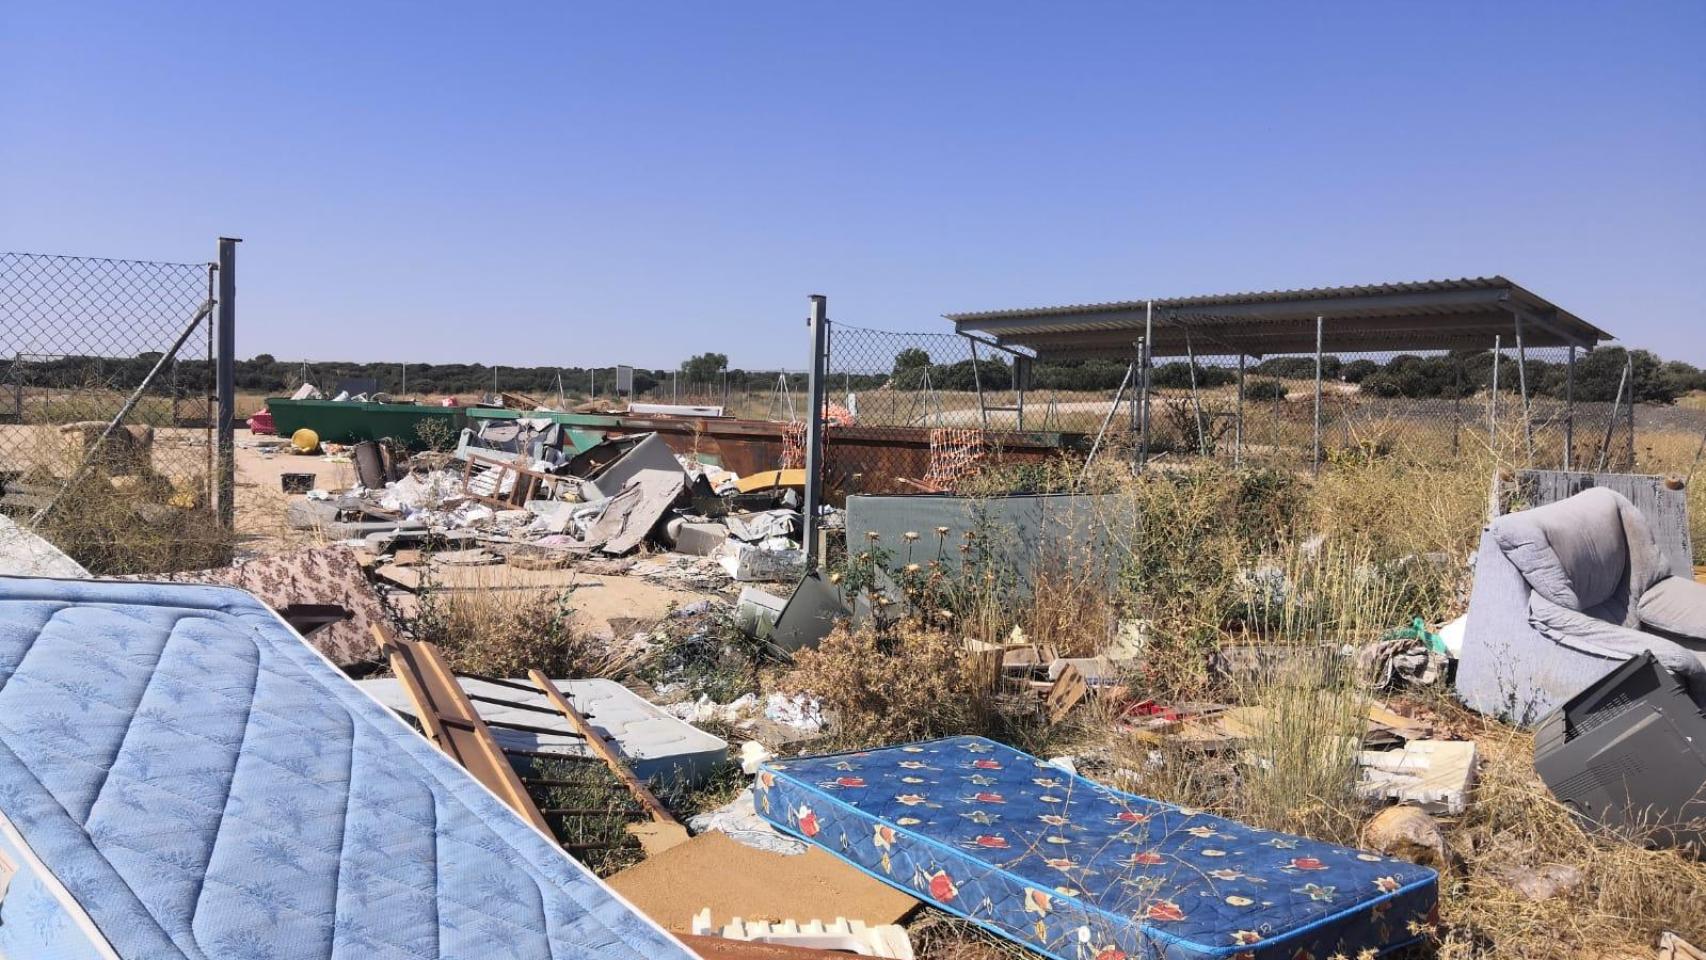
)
(577, 184)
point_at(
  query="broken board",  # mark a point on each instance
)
(732, 879)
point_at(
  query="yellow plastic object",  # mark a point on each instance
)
(305, 441)
(772, 479)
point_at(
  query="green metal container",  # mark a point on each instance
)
(344, 421)
(585, 430)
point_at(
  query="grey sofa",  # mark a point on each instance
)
(1566, 593)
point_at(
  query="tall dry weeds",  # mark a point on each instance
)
(507, 633)
(908, 682)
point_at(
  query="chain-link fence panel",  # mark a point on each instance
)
(107, 408)
(911, 411)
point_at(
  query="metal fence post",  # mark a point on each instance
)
(1145, 350)
(1319, 325)
(1493, 401)
(1522, 391)
(819, 323)
(1570, 410)
(1238, 437)
(225, 381)
(1629, 368)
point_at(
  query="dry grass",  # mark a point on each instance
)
(910, 682)
(505, 634)
(1214, 556)
(1626, 897)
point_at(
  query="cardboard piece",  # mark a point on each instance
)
(1436, 775)
(717, 872)
(1068, 689)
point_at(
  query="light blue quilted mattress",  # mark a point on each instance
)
(199, 783)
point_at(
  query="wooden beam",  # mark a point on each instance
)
(659, 813)
(403, 669)
(455, 727)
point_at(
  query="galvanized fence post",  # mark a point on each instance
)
(819, 323)
(1493, 401)
(1238, 437)
(1145, 350)
(1319, 330)
(1570, 410)
(225, 380)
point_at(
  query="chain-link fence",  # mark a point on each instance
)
(915, 411)
(107, 407)
(909, 412)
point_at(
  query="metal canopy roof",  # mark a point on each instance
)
(1425, 315)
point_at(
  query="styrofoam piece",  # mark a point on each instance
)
(1452, 636)
(674, 410)
(654, 744)
(854, 936)
(753, 753)
(1434, 774)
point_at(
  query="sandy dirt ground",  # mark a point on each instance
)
(607, 606)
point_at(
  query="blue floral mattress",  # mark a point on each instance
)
(191, 780)
(1079, 871)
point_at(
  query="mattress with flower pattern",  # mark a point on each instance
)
(1079, 871)
(182, 777)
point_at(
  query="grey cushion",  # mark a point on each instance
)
(1676, 606)
(1581, 631)
(1573, 552)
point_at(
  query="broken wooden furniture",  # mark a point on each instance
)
(449, 719)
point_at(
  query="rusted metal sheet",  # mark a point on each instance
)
(858, 459)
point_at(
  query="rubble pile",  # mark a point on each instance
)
(521, 490)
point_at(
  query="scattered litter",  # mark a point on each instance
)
(740, 820)
(753, 753)
(798, 711)
(1544, 882)
(1673, 947)
(1407, 832)
(768, 561)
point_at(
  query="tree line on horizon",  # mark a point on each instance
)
(1456, 374)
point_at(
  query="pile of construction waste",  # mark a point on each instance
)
(518, 489)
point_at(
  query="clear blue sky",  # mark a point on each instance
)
(571, 184)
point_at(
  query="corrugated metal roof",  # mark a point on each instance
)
(1371, 316)
(1259, 296)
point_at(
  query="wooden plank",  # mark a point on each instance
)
(1662, 500)
(1068, 689)
(477, 749)
(455, 727)
(404, 671)
(659, 813)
